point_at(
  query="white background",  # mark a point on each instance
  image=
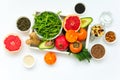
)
(66, 67)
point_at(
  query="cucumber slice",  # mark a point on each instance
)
(86, 21)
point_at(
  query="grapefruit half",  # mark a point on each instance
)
(72, 22)
(12, 43)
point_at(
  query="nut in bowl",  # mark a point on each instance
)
(110, 37)
(97, 30)
(47, 25)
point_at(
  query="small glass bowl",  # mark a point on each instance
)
(106, 18)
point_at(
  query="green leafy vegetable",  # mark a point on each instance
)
(47, 24)
(84, 54)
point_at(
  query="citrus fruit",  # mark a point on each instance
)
(12, 43)
(50, 58)
(71, 22)
(71, 36)
(82, 34)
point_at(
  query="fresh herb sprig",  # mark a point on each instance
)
(83, 55)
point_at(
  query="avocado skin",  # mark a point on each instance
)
(43, 46)
(88, 21)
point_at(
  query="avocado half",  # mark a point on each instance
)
(86, 21)
(44, 45)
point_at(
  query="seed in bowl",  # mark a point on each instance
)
(110, 36)
(23, 24)
(28, 61)
(97, 30)
(97, 51)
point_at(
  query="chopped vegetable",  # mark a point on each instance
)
(47, 24)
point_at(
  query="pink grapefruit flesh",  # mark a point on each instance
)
(12, 43)
(72, 23)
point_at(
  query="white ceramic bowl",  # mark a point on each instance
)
(28, 61)
(112, 42)
(82, 13)
(41, 37)
(23, 31)
(100, 58)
